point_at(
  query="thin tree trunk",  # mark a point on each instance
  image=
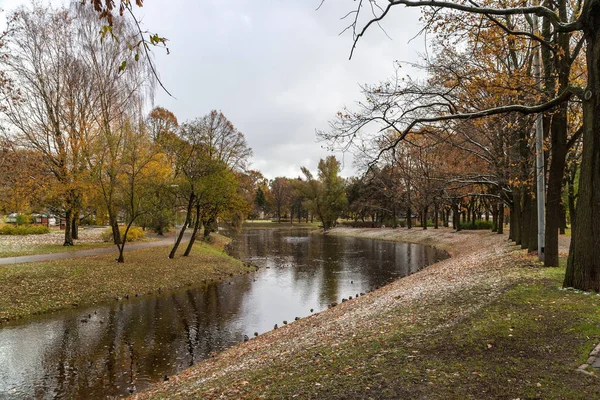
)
(194, 232)
(185, 224)
(515, 216)
(563, 219)
(532, 231)
(525, 217)
(500, 229)
(571, 199)
(121, 246)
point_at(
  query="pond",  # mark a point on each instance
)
(123, 347)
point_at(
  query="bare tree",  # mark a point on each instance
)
(50, 107)
(583, 270)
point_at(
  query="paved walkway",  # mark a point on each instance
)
(86, 253)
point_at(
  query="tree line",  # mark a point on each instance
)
(78, 142)
(477, 108)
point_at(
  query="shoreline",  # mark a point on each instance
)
(484, 272)
(44, 287)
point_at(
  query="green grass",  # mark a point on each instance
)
(36, 288)
(525, 343)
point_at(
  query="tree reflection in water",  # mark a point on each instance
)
(117, 348)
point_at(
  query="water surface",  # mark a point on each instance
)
(119, 348)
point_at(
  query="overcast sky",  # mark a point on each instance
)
(278, 69)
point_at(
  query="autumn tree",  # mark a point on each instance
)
(26, 183)
(162, 125)
(50, 112)
(326, 196)
(582, 21)
(140, 167)
(118, 102)
(281, 192)
(206, 145)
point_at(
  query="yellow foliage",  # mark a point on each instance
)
(134, 234)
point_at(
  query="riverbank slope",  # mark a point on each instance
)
(487, 323)
(48, 286)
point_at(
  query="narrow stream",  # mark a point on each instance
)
(123, 347)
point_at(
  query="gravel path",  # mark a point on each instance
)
(22, 242)
(87, 235)
(84, 253)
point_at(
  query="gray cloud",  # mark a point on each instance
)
(278, 69)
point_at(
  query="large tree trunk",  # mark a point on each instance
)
(558, 137)
(408, 218)
(583, 266)
(68, 226)
(75, 226)
(115, 231)
(558, 143)
(515, 216)
(455, 217)
(500, 229)
(114, 225)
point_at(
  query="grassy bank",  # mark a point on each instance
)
(36, 288)
(489, 323)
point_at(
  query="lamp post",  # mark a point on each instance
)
(539, 153)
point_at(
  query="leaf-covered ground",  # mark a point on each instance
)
(489, 323)
(36, 288)
(13, 245)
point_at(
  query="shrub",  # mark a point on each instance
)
(23, 219)
(135, 233)
(479, 224)
(24, 230)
